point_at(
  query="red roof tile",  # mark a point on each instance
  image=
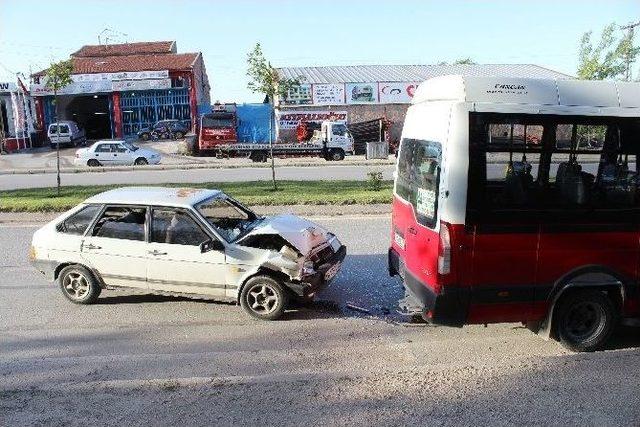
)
(126, 49)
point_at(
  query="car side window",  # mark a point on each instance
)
(78, 222)
(175, 227)
(103, 148)
(119, 148)
(121, 222)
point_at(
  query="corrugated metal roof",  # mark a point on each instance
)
(412, 73)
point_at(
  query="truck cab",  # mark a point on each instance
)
(335, 138)
(218, 127)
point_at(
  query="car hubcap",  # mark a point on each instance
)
(76, 285)
(584, 320)
(262, 299)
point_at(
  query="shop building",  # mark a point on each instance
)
(17, 127)
(118, 89)
(368, 92)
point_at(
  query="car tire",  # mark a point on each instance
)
(264, 298)
(584, 320)
(179, 135)
(92, 163)
(145, 136)
(141, 161)
(259, 157)
(79, 285)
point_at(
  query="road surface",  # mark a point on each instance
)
(140, 359)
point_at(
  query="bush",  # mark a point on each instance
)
(374, 180)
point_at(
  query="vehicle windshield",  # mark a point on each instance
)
(221, 121)
(229, 218)
(130, 146)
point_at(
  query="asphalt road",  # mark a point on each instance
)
(136, 359)
(146, 177)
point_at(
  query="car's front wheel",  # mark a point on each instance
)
(585, 320)
(141, 161)
(264, 298)
(79, 285)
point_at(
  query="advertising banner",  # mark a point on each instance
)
(98, 86)
(8, 87)
(397, 93)
(328, 94)
(362, 93)
(299, 95)
(291, 119)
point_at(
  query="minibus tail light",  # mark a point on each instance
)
(444, 254)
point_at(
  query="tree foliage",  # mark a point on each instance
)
(608, 58)
(263, 78)
(460, 61)
(59, 75)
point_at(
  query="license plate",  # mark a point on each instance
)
(331, 273)
(399, 239)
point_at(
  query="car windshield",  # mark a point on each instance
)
(130, 146)
(229, 218)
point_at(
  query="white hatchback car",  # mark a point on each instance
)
(116, 152)
(189, 242)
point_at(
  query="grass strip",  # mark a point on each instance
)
(257, 193)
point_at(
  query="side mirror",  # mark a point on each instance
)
(211, 245)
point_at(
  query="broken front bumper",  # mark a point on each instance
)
(312, 283)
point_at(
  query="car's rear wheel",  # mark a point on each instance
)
(141, 161)
(585, 320)
(264, 298)
(79, 285)
(93, 163)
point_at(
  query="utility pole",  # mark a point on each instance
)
(630, 28)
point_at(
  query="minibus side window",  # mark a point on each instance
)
(419, 177)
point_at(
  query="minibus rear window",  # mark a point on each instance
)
(419, 177)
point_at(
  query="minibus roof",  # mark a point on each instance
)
(547, 92)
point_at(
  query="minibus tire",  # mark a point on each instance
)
(336, 155)
(275, 289)
(86, 279)
(584, 320)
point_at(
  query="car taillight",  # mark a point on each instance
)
(444, 253)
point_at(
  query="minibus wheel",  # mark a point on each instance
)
(585, 320)
(79, 285)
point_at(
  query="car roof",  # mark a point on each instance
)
(63, 122)
(157, 196)
(109, 141)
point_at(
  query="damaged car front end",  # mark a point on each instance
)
(301, 256)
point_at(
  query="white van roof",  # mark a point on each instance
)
(548, 92)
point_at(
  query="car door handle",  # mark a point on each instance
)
(92, 246)
(156, 252)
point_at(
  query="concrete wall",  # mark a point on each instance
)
(357, 113)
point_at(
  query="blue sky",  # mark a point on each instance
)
(299, 33)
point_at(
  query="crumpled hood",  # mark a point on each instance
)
(301, 233)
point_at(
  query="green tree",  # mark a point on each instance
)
(609, 58)
(263, 78)
(464, 61)
(58, 76)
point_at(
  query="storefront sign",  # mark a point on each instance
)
(362, 93)
(291, 119)
(299, 95)
(328, 94)
(8, 87)
(125, 75)
(397, 93)
(100, 86)
(141, 84)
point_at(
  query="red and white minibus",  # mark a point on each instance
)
(517, 200)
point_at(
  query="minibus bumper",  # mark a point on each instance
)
(448, 307)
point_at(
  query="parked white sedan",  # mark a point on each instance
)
(188, 242)
(116, 152)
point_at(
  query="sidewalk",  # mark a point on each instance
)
(315, 211)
